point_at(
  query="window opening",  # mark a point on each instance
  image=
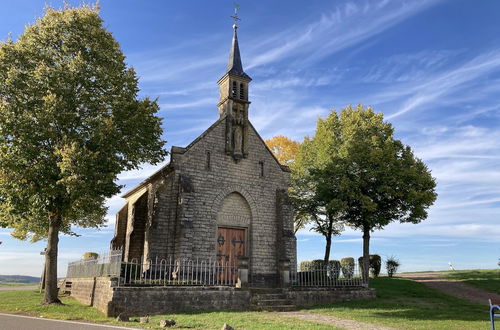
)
(242, 92)
(208, 165)
(233, 92)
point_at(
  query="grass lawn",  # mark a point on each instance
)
(17, 284)
(28, 302)
(486, 279)
(406, 304)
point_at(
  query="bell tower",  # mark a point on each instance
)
(233, 102)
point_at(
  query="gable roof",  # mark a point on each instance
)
(180, 150)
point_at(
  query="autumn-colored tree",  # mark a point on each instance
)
(70, 122)
(284, 148)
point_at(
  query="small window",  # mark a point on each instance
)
(234, 92)
(242, 92)
(208, 164)
(261, 167)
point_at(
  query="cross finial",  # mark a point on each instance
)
(235, 16)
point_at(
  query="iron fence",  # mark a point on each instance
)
(183, 272)
(106, 264)
(328, 276)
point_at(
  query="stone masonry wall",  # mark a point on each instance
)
(162, 226)
(139, 301)
(256, 178)
(137, 235)
(317, 296)
(92, 291)
(163, 300)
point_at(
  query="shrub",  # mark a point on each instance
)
(392, 264)
(347, 266)
(305, 266)
(375, 265)
(90, 255)
(334, 269)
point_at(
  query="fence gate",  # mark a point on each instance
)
(230, 245)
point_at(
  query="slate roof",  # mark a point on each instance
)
(234, 65)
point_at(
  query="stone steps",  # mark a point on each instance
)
(269, 299)
(284, 308)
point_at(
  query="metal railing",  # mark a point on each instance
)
(328, 276)
(183, 272)
(106, 264)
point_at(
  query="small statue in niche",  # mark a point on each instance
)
(238, 120)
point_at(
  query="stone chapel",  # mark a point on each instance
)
(222, 197)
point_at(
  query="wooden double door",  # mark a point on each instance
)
(231, 243)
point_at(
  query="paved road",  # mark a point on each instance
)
(18, 322)
(16, 288)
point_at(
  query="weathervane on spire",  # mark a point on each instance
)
(235, 16)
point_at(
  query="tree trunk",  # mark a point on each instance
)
(51, 262)
(328, 240)
(327, 249)
(366, 255)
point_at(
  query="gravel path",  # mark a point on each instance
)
(452, 287)
(334, 321)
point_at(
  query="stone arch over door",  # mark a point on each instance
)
(234, 211)
(218, 201)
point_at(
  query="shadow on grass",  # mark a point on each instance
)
(403, 299)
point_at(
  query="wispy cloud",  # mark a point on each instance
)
(447, 83)
(336, 30)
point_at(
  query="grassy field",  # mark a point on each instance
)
(28, 302)
(400, 303)
(406, 304)
(486, 279)
(17, 284)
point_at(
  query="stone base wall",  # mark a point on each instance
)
(163, 300)
(316, 296)
(92, 291)
(138, 301)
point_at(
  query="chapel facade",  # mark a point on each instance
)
(222, 197)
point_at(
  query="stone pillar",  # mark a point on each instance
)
(242, 272)
(284, 268)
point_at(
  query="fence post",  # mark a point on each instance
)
(284, 269)
(242, 272)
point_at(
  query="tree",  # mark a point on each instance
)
(284, 148)
(312, 203)
(371, 178)
(70, 122)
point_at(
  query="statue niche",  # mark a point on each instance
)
(236, 132)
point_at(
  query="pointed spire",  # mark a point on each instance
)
(234, 65)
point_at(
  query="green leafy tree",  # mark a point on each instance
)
(372, 178)
(70, 122)
(313, 204)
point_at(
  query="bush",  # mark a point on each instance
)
(347, 266)
(375, 265)
(334, 268)
(323, 272)
(90, 255)
(304, 266)
(392, 264)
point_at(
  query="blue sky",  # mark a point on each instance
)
(432, 67)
